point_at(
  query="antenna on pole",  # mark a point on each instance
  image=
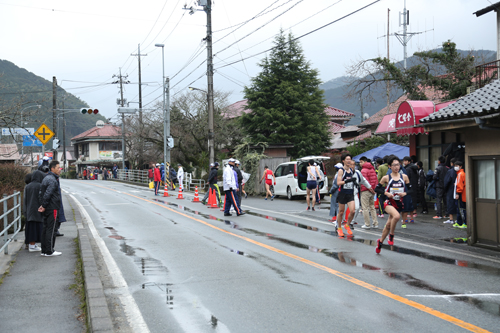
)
(404, 38)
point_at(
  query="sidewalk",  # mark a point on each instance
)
(35, 295)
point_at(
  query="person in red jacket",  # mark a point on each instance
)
(151, 175)
(367, 198)
(157, 175)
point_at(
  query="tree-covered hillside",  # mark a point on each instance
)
(20, 90)
(337, 89)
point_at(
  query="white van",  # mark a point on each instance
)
(291, 177)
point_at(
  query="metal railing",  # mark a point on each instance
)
(135, 176)
(16, 209)
(485, 73)
(141, 176)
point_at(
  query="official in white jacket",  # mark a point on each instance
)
(180, 176)
(229, 185)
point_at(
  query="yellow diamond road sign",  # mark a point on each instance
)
(44, 134)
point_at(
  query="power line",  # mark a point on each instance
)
(263, 41)
(308, 33)
(258, 28)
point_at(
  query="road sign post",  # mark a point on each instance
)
(44, 134)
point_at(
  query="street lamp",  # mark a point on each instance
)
(22, 147)
(164, 110)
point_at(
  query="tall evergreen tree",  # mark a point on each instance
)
(286, 102)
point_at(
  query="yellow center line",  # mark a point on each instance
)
(341, 275)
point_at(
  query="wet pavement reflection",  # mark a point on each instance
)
(150, 266)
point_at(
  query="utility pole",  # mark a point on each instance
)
(122, 104)
(141, 144)
(207, 8)
(167, 121)
(54, 107)
(210, 79)
(404, 38)
(388, 84)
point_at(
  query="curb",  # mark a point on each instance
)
(98, 315)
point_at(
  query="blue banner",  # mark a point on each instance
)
(31, 141)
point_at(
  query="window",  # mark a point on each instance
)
(285, 170)
(485, 179)
(110, 145)
(85, 149)
(277, 173)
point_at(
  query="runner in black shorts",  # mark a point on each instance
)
(394, 187)
(345, 180)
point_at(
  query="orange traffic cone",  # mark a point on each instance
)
(165, 192)
(209, 202)
(213, 203)
(179, 196)
(196, 198)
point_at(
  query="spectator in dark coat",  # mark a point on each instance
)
(439, 175)
(449, 187)
(34, 219)
(421, 187)
(412, 173)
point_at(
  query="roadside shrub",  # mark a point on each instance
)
(11, 180)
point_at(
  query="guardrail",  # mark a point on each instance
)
(16, 209)
(136, 176)
(141, 176)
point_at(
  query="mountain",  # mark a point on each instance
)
(20, 90)
(335, 89)
(337, 82)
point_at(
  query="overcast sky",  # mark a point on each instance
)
(84, 43)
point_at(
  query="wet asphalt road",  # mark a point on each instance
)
(280, 269)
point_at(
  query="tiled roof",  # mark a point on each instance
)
(360, 137)
(236, 109)
(9, 152)
(108, 131)
(334, 127)
(482, 101)
(334, 112)
(350, 129)
(431, 94)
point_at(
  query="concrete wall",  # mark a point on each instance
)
(478, 143)
(93, 151)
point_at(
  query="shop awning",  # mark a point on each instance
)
(408, 116)
(387, 125)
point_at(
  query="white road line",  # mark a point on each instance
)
(132, 311)
(455, 295)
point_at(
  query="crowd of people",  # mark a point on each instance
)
(43, 208)
(391, 186)
(96, 173)
(396, 187)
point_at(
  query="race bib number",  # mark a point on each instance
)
(349, 186)
(394, 190)
(269, 176)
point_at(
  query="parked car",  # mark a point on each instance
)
(291, 177)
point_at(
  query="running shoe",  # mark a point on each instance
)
(272, 198)
(391, 240)
(379, 246)
(412, 221)
(403, 225)
(449, 221)
(265, 198)
(437, 217)
(246, 196)
(425, 212)
(334, 219)
(365, 227)
(308, 208)
(415, 215)
(456, 225)
(381, 215)
(463, 226)
(313, 209)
